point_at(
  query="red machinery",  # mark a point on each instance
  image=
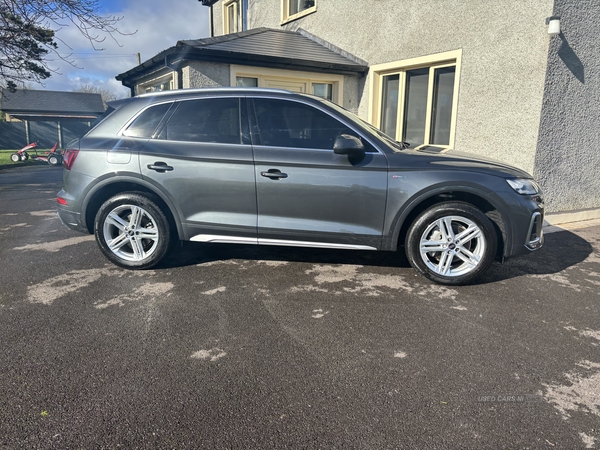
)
(53, 157)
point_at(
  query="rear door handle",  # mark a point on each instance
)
(160, 167)
(274, 174)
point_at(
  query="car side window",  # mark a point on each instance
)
(215, 120)
(284, 123)
(145, 124)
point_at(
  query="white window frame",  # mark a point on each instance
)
(264, 75)
(236, 5)
(436, 61)
(287, 17)
(142, 88)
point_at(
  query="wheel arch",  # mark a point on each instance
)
(110, 187)
(492, 209)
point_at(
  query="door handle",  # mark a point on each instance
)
(160, 167)
(274, 174)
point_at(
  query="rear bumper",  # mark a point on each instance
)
(71, 219)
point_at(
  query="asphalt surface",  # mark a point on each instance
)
(246, 347)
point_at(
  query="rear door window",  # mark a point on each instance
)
(211, 120)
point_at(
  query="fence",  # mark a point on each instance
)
(13, 135)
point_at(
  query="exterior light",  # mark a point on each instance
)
(553, 23)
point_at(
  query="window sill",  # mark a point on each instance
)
(299, 15)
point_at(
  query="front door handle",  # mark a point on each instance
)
(160, 167)
(274, 174)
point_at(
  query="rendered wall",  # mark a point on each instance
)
(568, 152)
(205, 74)
(504, 43)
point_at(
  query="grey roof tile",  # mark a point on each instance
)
(26, 101)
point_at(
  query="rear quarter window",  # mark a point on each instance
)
(145, 124)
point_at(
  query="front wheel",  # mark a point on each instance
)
(15, 157)
(132, 231)
(451, 243)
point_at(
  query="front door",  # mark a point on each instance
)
(307, 195)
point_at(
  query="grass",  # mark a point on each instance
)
(5, 158)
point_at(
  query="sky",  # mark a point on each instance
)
(150, 26)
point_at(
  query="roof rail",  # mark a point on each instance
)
(213, 89)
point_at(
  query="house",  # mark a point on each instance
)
(46, 117)
(514, 81)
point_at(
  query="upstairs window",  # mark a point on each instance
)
(235, 16)
(294, 9)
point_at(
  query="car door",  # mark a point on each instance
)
(307, 195)
(201, 158)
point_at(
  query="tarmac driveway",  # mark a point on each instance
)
(245, 347)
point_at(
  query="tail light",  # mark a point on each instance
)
(69, 157)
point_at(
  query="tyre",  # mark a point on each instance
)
(24, 156)
(54, 159)
(451, 243)
(15, 157)
(132, 231)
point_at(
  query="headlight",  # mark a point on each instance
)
(523, 186)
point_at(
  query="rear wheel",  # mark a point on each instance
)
(451, 243)
(132, 231)
(24, 156)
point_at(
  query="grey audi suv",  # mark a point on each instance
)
(271, 167)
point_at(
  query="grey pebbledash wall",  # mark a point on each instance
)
(567, 162)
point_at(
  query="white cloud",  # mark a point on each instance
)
(159, 25)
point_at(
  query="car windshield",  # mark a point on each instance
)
(392, 143)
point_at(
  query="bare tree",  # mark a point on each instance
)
(106, 94)
(28, 35)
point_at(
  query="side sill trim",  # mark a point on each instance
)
(218, 239)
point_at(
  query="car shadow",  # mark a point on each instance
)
(561, 250)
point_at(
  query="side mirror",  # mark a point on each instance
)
(346, 144)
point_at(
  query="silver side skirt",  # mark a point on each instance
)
(217, 239)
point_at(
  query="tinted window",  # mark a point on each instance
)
(290, 124)
(145, 124)
(208, 120)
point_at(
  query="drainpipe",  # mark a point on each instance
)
(211, 21)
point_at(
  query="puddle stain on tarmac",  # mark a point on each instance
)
(56, 287)
(148, 291)
(55, 246)
(580, 394)
(212, 355)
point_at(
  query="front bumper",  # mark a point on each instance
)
(535, 235)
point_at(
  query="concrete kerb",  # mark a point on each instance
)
(573, 220)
